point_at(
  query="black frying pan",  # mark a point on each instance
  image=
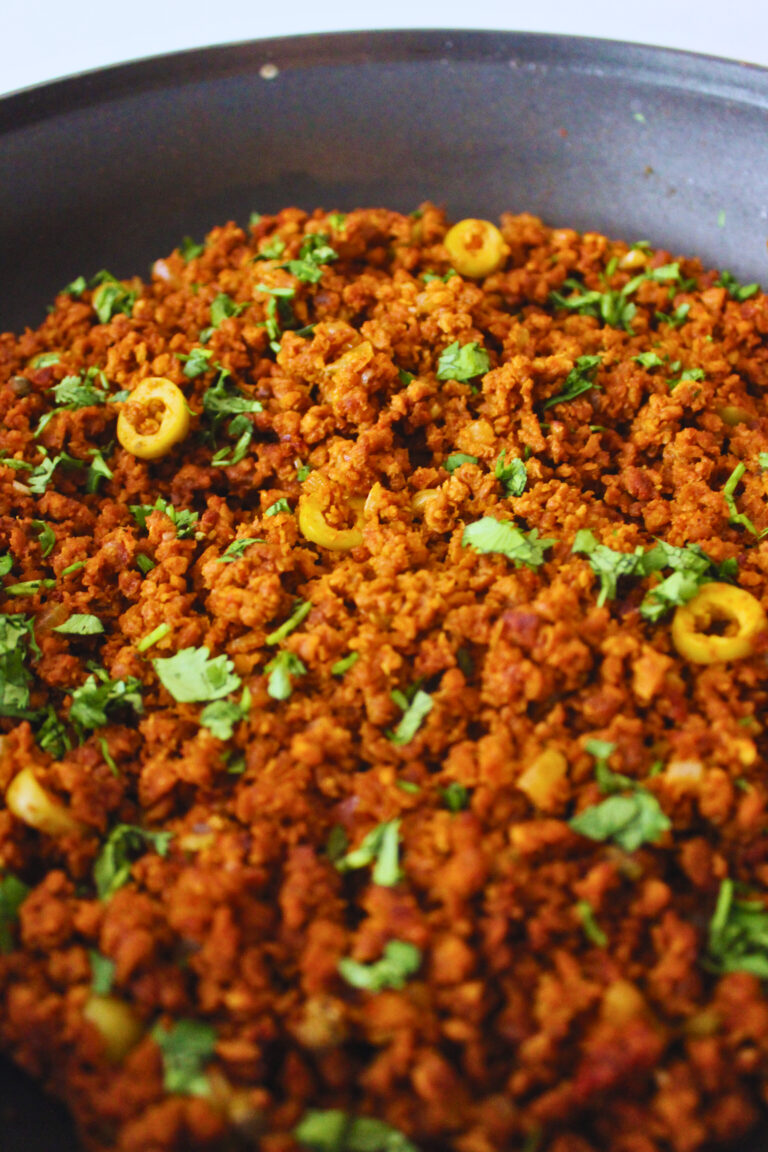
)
(112, 168)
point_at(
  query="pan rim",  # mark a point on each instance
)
(650, 65)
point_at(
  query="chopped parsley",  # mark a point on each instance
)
(580, 379)
(462, 362)
(80, 624)
(281, 669)
(513, 476)
(300, 612)
(236, 549)
(343, 665)
(279, 506)
(416, 706)
(489, 535)
(193, 675)
(738, 934)
(182, 519)
(99, 695)
(336, 1131)
(112, 867)
(734, 516)
(187, 1047)
(102, 973)
(221, 716)
(381, 847)
(456, 459)
(399, 961)
(13, 893)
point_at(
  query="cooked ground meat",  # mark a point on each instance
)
(384, 757)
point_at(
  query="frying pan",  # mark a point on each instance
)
(111, 169)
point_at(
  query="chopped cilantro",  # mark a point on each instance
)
(152, 637)
(612, 307)
(6, 564)
(112, 867)
(223, 307)
(108, 759)
(300, 612)
(337, 1131)
(243, 429)
(399, 961)
(45, 360)
(381, 848)
(189, 250)
(314, 253)
(102, 973)
(738, 291)
(78, 564)
(79, 391)
(80, 624)
(13, 893)
(284, 665)
(279, 506)
(489, 535)
(98, 695)
(455, 796)
(75, 287)
(193, 675)
(675, 319)
(343, 665)
(462, 362)
(144, 563)
(762, 460)
(404, 377)
(46, 537)
(186, 1048)
(196, 363)
(607, 563)
(303, 471)
(688, 374)
(738, 934)
(415, 711)
(110, 297)
(221, 716)
(182, 519)
(580, 379)
(272, 250)
(649, 360)
(456, 459)
(236, 549)
(98, 470)
(15, 634)
(224, 398)
(592, 929)
(629, 820)
(337, 843)
(51, 735)
(28, 587)
(513, 476)
(736, 517)
(408, 786)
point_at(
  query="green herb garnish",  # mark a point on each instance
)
(416, 707)
(399, 961)
(580, 379)
(112, 867)
(489, 535)
(13, 893)
(80, 624)
(463, 362)
(380, 848)
(281, 669)
(193, 675)
(187, 1047)
(513, 476)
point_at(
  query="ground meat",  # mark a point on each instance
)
(354, 857)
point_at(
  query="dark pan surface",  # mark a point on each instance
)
(112, 168)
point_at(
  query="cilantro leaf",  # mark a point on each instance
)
(80, 392)
(736, 517)
(456, 459)
(152, 637)
(592, 929)
(221, 716)
(279, 506)
(607, 563)
(224, 398)
(112, 867)
(738, 291)
(489, 535)
(738, 934)
(314, 253)
(675, 319)
(463, 362)
(13, 893)
(281, 668)
(196, 363)
(628, 820)
(455, 796)
(243, 429)
(612, 307)
(42, 474)
(514, 476)
(186, 1048)
(414, 714)
(182, 519)
(189, 250)
(236, 549)
(343, 665)
(399, 961)
(336, 1131)
(80, 624)
(46, 537)
(51, 735)
(15, 634)
(649, 360)
(580, 379)
(223, 307)
(381, 848)
(98, 695)
(111, 297)
(300, 612)
(272, 250)
(102, 973)
(193, 675)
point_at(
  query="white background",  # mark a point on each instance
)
(46, 39)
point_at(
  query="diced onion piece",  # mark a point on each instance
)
(29, 802)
